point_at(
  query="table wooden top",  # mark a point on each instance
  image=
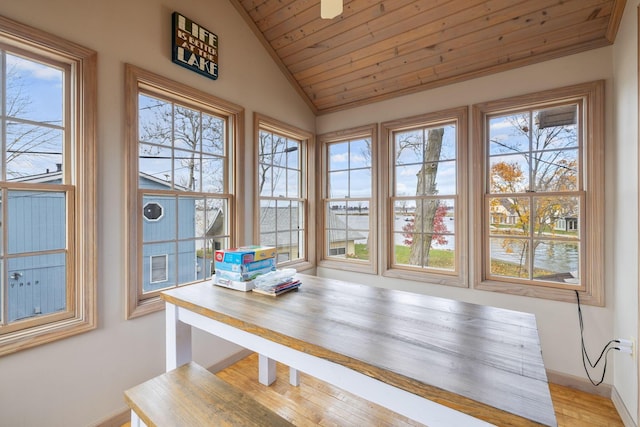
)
(484, 361)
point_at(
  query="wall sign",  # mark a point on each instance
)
(194, 47)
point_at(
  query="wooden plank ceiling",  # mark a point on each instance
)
(381, 49)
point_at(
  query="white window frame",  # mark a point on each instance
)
(137, 81)
(79, 183)
(591, 96)
(459, 275)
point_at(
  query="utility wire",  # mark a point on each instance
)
(585, 356)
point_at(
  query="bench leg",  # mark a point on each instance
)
(136, 421)
(294, 377)
(266, 370)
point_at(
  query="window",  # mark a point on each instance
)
(47, 187)
(152, 211)
(426, 197)
(541, 194)
(159, 268)
(284, 183)
(348, 200)
(182, 180)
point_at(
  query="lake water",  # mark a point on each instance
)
(552, 256)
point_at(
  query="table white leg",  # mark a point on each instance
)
(178, 345)
(294, 377)
(266, 370)
(136, 421)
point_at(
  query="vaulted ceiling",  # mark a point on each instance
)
(377, 50)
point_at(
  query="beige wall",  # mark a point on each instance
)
(624, 218)
(79, 381)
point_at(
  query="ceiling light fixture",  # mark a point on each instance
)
(329, 9)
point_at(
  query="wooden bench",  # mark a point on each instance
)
(192, 396)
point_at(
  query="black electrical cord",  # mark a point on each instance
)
(585, 355)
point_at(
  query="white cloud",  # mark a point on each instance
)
(34, 69)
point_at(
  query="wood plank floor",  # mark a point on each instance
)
(316, 403)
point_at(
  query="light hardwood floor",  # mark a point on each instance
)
(316, 403)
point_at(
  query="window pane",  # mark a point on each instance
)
(509, 215)
(186, 165)
(406, 180)
(34, 90)
(509, 174)
(509, 257)
(424, 233)
(555, 170)
(509, 134)
(293, 183)
(213, 135)
(338, 157)
(360, 153)
(36, 221)
(408, 147)
(37, 286)
(360, 183)
(162, 225)
(188, 260)
(156, 251)
(159, 272)
(338, 183)
(556, 128)
(557, 261)
(279, 182)
(155, 168)
(33, 153)
(154, 120)
(213, 174)
(187, 129)
(190, 225)
(347, 230)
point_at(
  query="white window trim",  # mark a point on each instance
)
(82, 316)
(592, 290)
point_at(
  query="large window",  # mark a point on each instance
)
(283, 181)
(47, 187)
(541, 219)
(426, 191)
(181, 175)
(348, 200)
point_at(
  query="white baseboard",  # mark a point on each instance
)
(579, 383)
(236, 357)
(626, 417)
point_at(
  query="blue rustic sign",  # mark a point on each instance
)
(194, 47)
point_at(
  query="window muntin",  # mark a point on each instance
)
(348, 198)
(182, 172)
(282, 179)
(426, 208)
(425, 196)
(182, 164)
(47, 261)
(534, 181)
(542, 193)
